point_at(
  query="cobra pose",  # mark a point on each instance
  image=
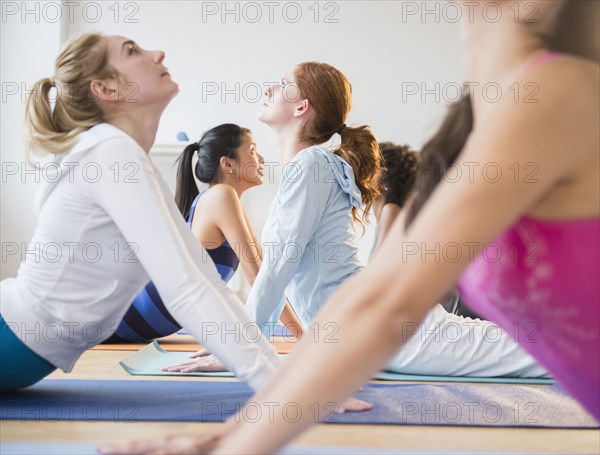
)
(444, 344)
(94, 124)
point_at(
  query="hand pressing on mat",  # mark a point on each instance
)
(201, 353)
(167, 445)
(206, 363)
(353, 405)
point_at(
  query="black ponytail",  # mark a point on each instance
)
(223, 140)
(440, 152)
(186, 190)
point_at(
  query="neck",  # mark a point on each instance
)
(140, 125)
(494, 52)
(234, 181)
(287, 143)
(377, 207)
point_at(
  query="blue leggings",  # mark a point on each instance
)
(19, 366)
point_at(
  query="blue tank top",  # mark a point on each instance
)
(223, 256)
(148, 318)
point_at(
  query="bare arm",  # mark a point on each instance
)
(289, 319)
(389, 213)
(288, 316)
(231, 218)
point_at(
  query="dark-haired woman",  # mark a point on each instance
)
(445, 343)
(229, 162)
(397, 180)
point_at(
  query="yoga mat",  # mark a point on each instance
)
(29, 448)
(278, 331)
(186, 343)
(205, 401)
(391, 376)
(151, 359)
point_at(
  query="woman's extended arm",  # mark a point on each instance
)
(300, 203)
(400, 285)
(389, 213)
(231, 218)
(143, 210)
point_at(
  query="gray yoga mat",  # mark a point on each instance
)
(208, 401)
(150, 360)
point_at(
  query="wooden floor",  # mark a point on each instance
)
(103, 364)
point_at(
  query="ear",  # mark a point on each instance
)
(302, 109)
(105, 90)
(225, 165)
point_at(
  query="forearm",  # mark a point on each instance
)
(266, 300)
(290, 320)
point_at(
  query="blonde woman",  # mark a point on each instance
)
(124, 212)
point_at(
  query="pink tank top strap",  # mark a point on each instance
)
(538, 60)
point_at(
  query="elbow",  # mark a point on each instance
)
(389, 311)
(251, 277)
(400, 317)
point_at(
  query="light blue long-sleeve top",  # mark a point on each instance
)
(310, 246)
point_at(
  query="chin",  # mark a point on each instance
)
(266, 120)
(257, 182)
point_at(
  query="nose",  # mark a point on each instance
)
(269, 90)
(159, 56)
(261, 159)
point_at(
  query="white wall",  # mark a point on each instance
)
(29, 45)
(378, 48)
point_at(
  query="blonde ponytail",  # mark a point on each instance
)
(82, 59)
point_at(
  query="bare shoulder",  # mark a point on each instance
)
(570, 82)
(553, 107)
(570, 100)
(221, 194)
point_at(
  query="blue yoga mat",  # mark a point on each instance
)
(151, 359)
(28, 448)
(205, 401)
(278, 331)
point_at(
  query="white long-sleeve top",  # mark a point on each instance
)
(107, 225)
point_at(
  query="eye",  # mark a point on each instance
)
(282, 83)
(132, 49)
